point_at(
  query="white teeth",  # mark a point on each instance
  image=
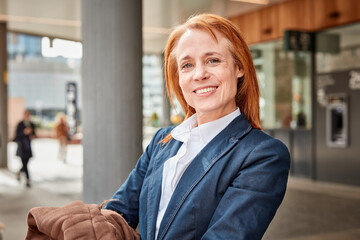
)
(205, 90)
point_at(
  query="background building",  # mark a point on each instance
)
(307, 60)
(306, 55)
(38, 75)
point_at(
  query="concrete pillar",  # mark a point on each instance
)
(112, 94)
(3, 97)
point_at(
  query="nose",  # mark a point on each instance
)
(200, 73)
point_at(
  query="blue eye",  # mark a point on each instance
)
(187, 65)
(213, 60)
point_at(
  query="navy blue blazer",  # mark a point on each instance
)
(231, 190)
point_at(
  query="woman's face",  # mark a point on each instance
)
(26, 115)
(207, 74)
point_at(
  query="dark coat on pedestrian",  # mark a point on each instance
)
(23, 140)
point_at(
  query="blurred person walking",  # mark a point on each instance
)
(25, 132)
(62, 130)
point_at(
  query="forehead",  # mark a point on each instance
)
(191, 39)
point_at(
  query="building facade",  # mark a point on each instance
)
(307, 57)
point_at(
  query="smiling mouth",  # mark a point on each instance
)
(205, 90)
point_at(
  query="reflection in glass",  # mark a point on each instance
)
(285, 86)
(342, 51)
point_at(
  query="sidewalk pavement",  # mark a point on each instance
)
(317, 211)
(310, 210)
(54, 183)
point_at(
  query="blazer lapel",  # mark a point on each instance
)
(201, 164)
(154, 193)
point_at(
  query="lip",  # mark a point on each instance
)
(204, 87)
(205, 94)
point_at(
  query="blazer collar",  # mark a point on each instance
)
(206, 131)
(198, 168)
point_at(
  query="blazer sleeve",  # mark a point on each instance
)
(250, 202)
(126, 198)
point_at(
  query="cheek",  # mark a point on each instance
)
(231, 88)
(235, 87)
(183, 85)
(181, 82)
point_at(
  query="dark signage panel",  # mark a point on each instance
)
(298, 41)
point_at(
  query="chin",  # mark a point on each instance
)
(208, 110)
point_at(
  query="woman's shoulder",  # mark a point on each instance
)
(163, 132)
(263, 139)
(259, 146)
(158, 136)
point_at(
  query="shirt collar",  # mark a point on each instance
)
(182, 131)
(207, 131)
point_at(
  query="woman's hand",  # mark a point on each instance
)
(28, 131)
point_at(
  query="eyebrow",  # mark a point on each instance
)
(206, 54)
(184, 58)
(211, 53)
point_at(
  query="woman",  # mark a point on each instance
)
(61, 131)
(25, 132)
(216, 175)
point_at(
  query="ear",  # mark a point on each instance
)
(239, 72)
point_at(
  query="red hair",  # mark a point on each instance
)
(247, 97)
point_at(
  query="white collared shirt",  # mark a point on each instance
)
(194, 139)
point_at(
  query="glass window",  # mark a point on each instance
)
(157, 111)
(338, 49)
(285, 86)
(39, 82)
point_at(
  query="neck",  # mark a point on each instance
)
(212, 116)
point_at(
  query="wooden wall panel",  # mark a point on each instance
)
(249, 25)
(294, 15)
(309, 15)
(269, 23)
(328, 13)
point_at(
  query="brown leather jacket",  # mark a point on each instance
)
(78, 220)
